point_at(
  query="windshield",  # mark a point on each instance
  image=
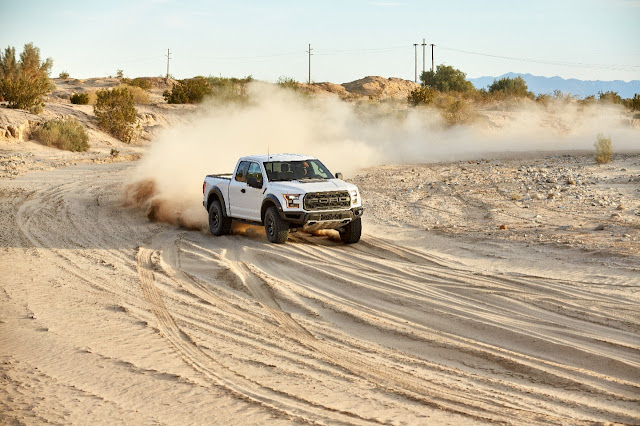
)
(278, 171)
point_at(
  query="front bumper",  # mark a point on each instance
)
(321, 220)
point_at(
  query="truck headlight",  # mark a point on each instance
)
(293, 200)
(354, 196)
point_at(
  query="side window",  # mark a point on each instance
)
(241, 173)
(254, 170)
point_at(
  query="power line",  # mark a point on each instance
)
(309, 52)
(168, 58)
(548, 62)
(415, 47)
(423, 55)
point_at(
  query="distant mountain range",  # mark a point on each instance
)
(580, 88)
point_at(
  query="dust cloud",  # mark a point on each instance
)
(346, 137)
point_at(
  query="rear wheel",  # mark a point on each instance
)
(351, 233)
(277, 230)
(219, 224)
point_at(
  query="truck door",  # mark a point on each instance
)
(253, 199)
(237, 190)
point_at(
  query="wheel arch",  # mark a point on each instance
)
(269, 200)
(216, 194)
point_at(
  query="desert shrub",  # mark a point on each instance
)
(587, 101)
(63, 75)
(140, 96)
(543, 98)
(79, 98)
(120, 74)
(604, 149)
(188, 91)
(142, 83)
(457, 112)
(116, 113)
(633, 103)
(23, 83)
(288, 83)
(229, 89)
(446, 79)
(515, 87)
(609, 97)
(421, 96)
(66, 134)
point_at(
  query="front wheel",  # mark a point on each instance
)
(219, 224)
(277, 230)
(350, 234)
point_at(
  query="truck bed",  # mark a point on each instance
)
(226, 176)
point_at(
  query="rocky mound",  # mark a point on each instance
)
(379, 87)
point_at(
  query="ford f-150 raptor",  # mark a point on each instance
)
(283, 192)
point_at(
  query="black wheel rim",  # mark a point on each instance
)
(215, 219)
(270, 226)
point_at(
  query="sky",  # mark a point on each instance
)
(350, 39)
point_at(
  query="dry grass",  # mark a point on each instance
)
(604, 149)
(66, 134)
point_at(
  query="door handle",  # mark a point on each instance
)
(243, 190)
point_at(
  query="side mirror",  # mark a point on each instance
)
(253, 182)
(339, 175)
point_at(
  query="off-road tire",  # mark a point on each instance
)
(350, 234)
(277, 230)
(219, 224)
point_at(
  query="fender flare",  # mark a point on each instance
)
(269, 200)
(216, 193)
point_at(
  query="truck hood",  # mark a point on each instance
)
(302, 187)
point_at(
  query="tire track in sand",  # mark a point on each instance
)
(218, 374)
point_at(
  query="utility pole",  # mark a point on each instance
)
(423, 55)
(309, 52)
(415, 46)
(168, 57)
(432, 70)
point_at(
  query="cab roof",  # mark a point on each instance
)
(277, 157)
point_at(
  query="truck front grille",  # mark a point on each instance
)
(315, 201)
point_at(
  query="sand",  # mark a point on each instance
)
(469, 300)
(107, 318)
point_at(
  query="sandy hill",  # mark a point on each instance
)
(379, 87)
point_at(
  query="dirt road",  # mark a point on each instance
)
(107, 318)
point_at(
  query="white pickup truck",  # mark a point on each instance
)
(282, 192)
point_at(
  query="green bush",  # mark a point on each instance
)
(515, 87)
(421, 96)
(446, 79)
(23, 83)
(63, 75)
(79, 98)
(604, 149)
(188, 91)
(66, 134)
(116, 113)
